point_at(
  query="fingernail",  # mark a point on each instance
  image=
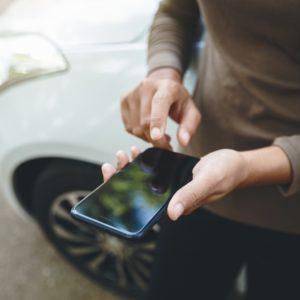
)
(185, 136)
(120, 154)
(155, 133)
(133, 148)
(104, 168)
(119, 158)
(178, 210)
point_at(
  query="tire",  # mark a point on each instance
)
(117, 263)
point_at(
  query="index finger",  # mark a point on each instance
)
(161, 104)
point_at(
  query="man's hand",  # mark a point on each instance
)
(214, 176)
(220, 172)
(145, 109)
(223, 171)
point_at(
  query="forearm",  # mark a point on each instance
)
(172, 34)
(264, 166)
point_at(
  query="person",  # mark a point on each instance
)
(242, 206)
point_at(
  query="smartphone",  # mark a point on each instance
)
(136, 197)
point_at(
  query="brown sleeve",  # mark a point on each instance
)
(174, 30)
(291, 146)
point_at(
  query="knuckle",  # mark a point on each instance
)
(193, 197)
(157, 120)
(220, 180)
(146, 83)
(128, 128)
(137, 131)
(145, 123)
(168, 82)
(128, 98)
(189, 198)
(162, 96)
(175, 87)
(124, 100)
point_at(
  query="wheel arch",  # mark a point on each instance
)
(26, 174)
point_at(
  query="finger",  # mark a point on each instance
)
(160, 108)
(168, 137)
(107, 171)
(134, 115)
(125, 113)
(138, 132)
(189, 123)
(135, 151)
(130, 106)
(164, 141)
(146, 96)
(186, 199)
(122, 159)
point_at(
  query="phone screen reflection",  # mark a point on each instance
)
(130, 199)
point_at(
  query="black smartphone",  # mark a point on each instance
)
(136, 197)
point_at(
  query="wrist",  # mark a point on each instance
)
(265, 166)
(165, 73)
(246, 169)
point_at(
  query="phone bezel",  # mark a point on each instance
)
(119, 232)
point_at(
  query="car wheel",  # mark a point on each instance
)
(118, 263)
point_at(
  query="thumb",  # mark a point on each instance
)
(185, 200)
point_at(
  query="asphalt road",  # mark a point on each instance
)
(30, 269)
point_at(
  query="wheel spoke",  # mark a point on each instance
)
(74, 197)
(156, 228)
(83, 250)
(62, 213)
(71, 236)
(140, 282)
(126, 264)
(122, 278)
(96, 262)
(146, 257)
(146, 246)
(142, 268)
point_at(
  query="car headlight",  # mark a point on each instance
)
(24, 56)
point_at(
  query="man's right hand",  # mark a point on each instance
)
(146, 108)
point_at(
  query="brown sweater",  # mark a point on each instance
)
(248, 90)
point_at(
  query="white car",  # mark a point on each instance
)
(63, 68)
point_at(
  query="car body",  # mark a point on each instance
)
(69, 116)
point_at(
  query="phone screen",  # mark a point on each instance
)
(133, 197)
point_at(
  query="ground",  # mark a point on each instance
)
(30, 269)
